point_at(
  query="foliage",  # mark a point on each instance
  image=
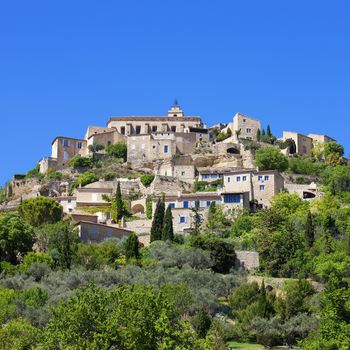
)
(197, 219)
(217, 220)
(97, 255)
(168, 230)
(149, 208)
(333, 153)
(305, 166)
(40, 210)
(53, 175)
(269, 158)
(86, 178)
(222, 253)
(117, 208)
(95, 148)
(33, 257)
(19, 334)
(118, 150)
(35, 172)
(95, 318)
(146, 179)
(80, 162)
(223, 135)
(157, 222)
(132, 247)
(207, 186)
(16, 237)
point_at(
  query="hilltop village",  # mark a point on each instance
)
(175, 158)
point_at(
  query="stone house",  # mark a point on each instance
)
(68, 203)
(90, 232)
(321, 138)
(92, 196)
(261, 185)
(181, 167)
(183, 203)
(303, 143)
(247, 127)
(106, 138)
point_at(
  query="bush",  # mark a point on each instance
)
(118, 150)
(40, 210)
(53, 175)
(304, 166)
(146, 179)
(80, 162)
(269, 158)
(35, 172)
(85, 179)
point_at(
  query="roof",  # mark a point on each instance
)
(67, 138)
(246, 116)
(155, 119)
(103, 225)
(207, 170)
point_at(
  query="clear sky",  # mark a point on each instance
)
(65, 65)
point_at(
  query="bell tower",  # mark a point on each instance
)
(175, 110)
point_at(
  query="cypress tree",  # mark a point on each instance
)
(132, 247)
(268, 131)
(119, 203)
(258, 135)
(263, 132)
(168, 230)
(197, 219)
(262, 300)
(309, 231)
(157, 223)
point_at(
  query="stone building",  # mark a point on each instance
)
(182, 204)
(175, 121)
(261, 185)
(181, 167)
(247, 127)
(321, 138)
(303, 143)
(91, 232)
(106, 138)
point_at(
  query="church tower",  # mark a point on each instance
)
(175, 110)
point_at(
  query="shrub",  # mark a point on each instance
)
(269, 158)
(80, 162)
(40, 210)
(53, 175)
(146, 179)
(118, 150)
(85, 179)
(35, 172)
(305, 166)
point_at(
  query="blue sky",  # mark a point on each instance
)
(65, 65)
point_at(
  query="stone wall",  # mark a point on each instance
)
(247, 259)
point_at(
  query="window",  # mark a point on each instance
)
(205, 176)
(173, 128)
(154, 146)
(238, 178)
(260, 178)
(266, 178)
(69, 201)
(244, 120)
(143, 146)
(244, 178)
(208, 203)
(228, 179)
(304, 149)
(182, 173)
(185, 204)
(65, 155)
(122, 130)
(171, 205)
(70, 210)
(79, 145)
(262, 188)
(154, 128)
(166, 148)
(138, 129)
(132, 146)
(249, 130)
(182, 219)
(232, 198)
(65, 143)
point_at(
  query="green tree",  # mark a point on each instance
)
(333, 153)
(117, 207)
(16, 237)
(40, 210)
(201, 323)
(146, 179)
(268, 131)
(309, 231)
(157, 222)
(80, 162)
(149, 205)
(132, 247)
(118, 150)
(269, 158)
(168, 230)
(258, 135)
(197, 219)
